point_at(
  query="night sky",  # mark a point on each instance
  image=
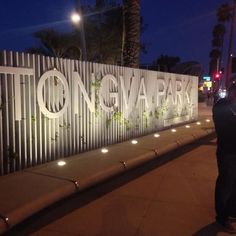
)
(177, 28)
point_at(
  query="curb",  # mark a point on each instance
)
(46, 184)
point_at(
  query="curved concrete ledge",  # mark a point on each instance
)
(23, 194)
(185, 140)
(131, 163)
(200, 134)
(41, 186)
(4, 223)
(168, 148)
(3, 226)
(101, 176)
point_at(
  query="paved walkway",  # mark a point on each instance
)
(173, 199)
(27, 192)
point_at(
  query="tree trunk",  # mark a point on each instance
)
(131, 29)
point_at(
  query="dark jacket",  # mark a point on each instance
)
(224, 116)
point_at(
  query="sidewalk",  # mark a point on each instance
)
(27, 192)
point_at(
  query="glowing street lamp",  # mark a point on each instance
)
(75, 18)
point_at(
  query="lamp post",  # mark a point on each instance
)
(77, 19)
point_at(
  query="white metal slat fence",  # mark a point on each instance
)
(52, 108)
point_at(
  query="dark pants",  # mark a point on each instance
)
(225, 186)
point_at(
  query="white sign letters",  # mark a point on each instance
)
(173, 92)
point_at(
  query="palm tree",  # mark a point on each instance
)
(56, 44)
(217, 44)
(104, 33)
(131, 47)
(225, 14)
(165, 63)
(104, 27)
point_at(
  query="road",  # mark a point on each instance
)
(171, 196)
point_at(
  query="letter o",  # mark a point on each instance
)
(41, 103)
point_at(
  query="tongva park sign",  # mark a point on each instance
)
(52, 107)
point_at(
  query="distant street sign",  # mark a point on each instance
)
(207, 78)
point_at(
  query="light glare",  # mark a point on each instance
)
(75, 18)
(104, 150)
(187, 126)
(198, 123)
(61, 163)
(134, 141)
(156, 135)
(173, 130)
(207, 120)
(222, 93)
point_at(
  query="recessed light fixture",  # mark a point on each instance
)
(61, 163)
(104, 150)
(134, 141)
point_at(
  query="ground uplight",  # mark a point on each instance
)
(61, 163)
(134, 141)
(104, 150)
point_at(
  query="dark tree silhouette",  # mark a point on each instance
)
(165, 63)
(132, 19)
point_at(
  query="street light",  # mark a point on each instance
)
(77, 19)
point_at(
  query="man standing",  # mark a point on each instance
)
(224, 116)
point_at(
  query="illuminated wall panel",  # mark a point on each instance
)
(52, 108)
